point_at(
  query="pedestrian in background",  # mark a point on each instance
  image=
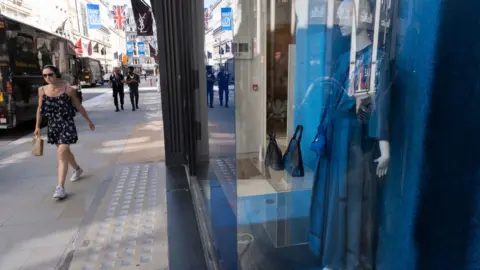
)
(210, 82)
(223, 78)
(116, 82)
(56, 101)
(133, 81)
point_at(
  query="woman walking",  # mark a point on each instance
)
(56, 101)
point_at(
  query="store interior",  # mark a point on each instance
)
(356, 82)
(274, 205)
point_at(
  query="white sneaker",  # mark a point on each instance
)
(59, 193)
(76, 175)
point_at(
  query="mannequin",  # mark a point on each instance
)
(345, 14)
(354, 127)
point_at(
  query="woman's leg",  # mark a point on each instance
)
(71, 160)
(63, 153)
(77, 173)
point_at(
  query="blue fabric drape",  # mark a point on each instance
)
(343, 218)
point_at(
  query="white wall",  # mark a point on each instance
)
(118, 43)
(23, 13)
(250, 106)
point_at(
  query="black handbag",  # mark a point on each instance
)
(292, 160)
(273, 157)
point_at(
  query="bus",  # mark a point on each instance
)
(24, 50)
(91, 72)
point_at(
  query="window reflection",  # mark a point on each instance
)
(315, 189)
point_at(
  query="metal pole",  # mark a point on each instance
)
(105, 47)
(220, 50)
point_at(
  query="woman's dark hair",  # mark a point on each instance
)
(54, 69)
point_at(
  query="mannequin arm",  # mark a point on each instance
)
(384, 159)
(384, 148)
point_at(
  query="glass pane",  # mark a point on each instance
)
(337, 149)
(312, 142)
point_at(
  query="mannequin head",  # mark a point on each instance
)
(346, 14)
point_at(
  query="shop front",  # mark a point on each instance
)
(338, 148)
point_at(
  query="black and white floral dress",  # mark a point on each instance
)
(60, 113)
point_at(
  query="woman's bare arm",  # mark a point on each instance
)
(76, 102)
(39, 108)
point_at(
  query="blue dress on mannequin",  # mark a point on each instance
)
(343, 214)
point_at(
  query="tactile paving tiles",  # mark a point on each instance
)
(225, 171)
(129, 230)
(226, 168)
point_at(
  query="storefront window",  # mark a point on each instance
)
(316, 161)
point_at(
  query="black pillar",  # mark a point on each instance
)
(178, 81)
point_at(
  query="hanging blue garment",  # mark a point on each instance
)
(343, 214)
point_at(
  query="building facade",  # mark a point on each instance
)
(102, 43)
(218, 43)
(142, 62)
(19, 10)
(54, 19)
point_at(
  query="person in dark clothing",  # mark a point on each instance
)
(133, 81)
(116, 82)
(210, 82)
(223, 78)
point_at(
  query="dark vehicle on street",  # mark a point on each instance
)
(24, 50)
(91, 72)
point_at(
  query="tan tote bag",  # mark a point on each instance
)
(37, 146)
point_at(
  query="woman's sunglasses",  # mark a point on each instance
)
(48, 75)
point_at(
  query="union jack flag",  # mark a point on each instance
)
(206, 17)
(119, 14)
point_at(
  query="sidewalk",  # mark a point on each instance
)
(115, 216)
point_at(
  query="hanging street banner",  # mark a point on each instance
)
(93, 16)
(129, 48)
(227, 19)
(141, 48)
(143, 17)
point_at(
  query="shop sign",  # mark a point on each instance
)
(129, 48)
(141, 48)
(317, 13)
(93, 14)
